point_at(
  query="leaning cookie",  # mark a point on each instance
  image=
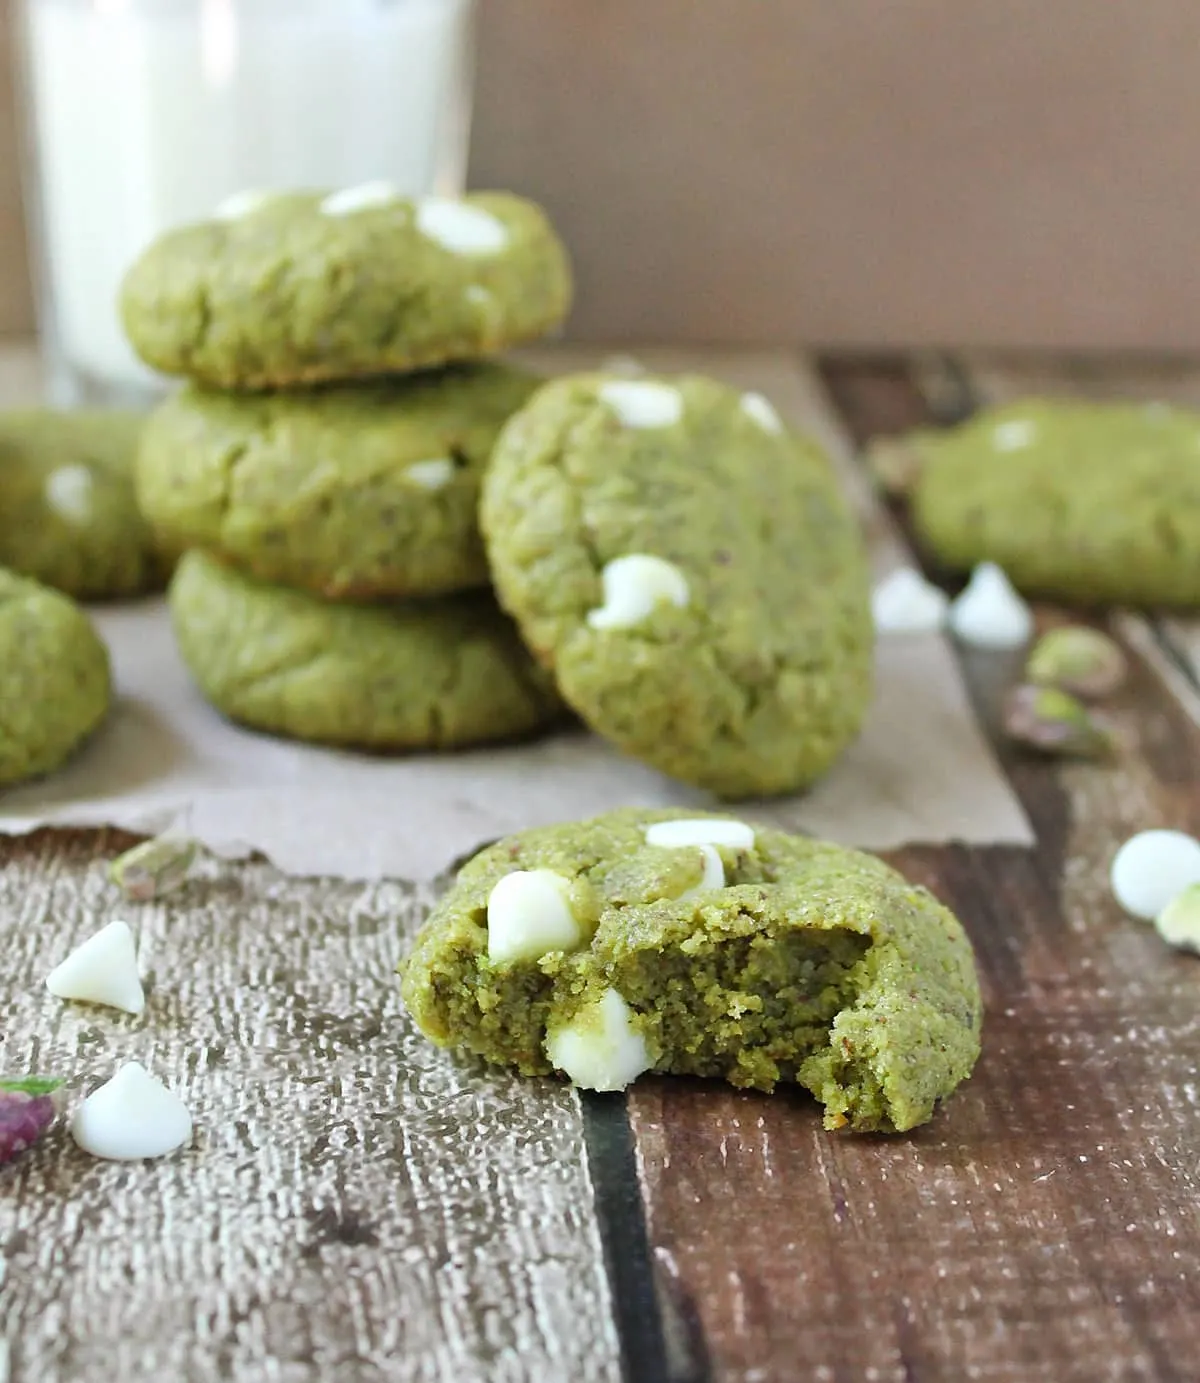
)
(688, 569)
(68, 515)
(701, 946)
(282, 290)
(427, 675)
(1091, 502)
(55, 680)
(351, 492)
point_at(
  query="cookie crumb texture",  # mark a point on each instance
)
(57, 684)
(68, 514)
(428, 675)
(813, 964)
(288, 294)
(362, 492)
(1097, 503)
(750, 671)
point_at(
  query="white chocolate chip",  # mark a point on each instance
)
(1179, 922)
(643, 402)
(713, 876)
(243, 204)
(599, 1049)
(102, 971)
(69, 491)
(905, 603)
(989, 613)
(1153, 868)
(131, 1117)
(627, 365)
(461, 228)
(434, 474)
(634, 586)
(528, 914)
(366, 197)
(1014, 435)
(760, 409)
(734, 835)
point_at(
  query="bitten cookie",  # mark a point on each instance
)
(68, 516)
(698, 945)
(688, 569)
(290, 289)
(56, 682)
(351, 492)
(428, 675)
(1091, 502)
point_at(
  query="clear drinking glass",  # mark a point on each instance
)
(141, 115)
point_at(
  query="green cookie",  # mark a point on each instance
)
(356, 492)
(299, 288)
(689, 570)
(430, 675)
(1091, 502)
(711, 950)
(68, 516)
(57, 687)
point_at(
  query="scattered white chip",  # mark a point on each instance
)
(102, 971)
(762, 411)
(1179, 922)
(69, 491)
(735, 835)
(434, 474)
(989, 613)
(713, 876)
(643, 402)
(600, 1049)
(461, 228)
(528, 914)
(634, 586)
(242, 204)
(366, 196)
(905, 603)
(1153, 868)
(131, 1117)
(1014, 435)
(626, 365)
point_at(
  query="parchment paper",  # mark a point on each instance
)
(921, 772)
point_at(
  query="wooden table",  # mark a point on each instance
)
(360, 1207)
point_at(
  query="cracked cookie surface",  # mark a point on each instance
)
(57, 684)
(358, 492)
(300, 288)
(798, 962)
(432, 674)
(1091, 502)
(689, 570)
(68, 514)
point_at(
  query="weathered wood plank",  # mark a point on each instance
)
(357, 1205)
(1043, 1228)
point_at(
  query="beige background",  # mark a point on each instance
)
(866, 172)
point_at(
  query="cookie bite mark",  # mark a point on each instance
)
(529, 914)
(760, 410)
(643, 403)
(242, 204)
(434, 474)
(634, 586)
(368, 196)
(459, 228)
(600, 1048)
(70, 492)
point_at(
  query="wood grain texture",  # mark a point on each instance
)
(1043, 1228)
(357, 1205)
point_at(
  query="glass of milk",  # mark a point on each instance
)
(142, 115)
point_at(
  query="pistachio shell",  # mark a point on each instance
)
(1055, 722)
(1079, 660)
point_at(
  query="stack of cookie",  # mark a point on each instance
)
(321, 470)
